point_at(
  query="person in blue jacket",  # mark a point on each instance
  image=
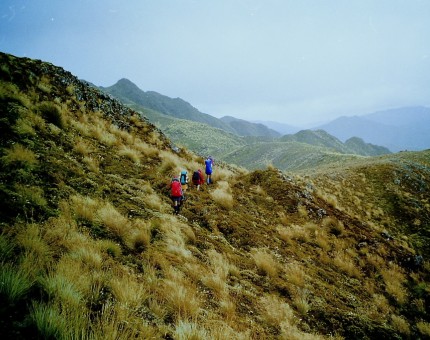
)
(209, 163)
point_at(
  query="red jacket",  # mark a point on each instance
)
(176, 189)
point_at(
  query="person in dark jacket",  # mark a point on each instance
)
(198, 178)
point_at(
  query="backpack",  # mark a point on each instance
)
(176, 189)
(183, 177)
(196, 176)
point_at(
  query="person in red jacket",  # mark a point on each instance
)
(176, 194)
(198, 178)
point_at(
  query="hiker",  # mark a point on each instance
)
(209, 163)
(183, 178)
(176, 194)
(198, 178)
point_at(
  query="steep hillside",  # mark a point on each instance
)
(90, 248)
(321, 138)
(129, 93)
(359, 147)
(288, 156)
(283, 129)
(245, 128)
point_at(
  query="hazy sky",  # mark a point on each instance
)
(290, 61)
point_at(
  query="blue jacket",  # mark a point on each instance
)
(208, 164)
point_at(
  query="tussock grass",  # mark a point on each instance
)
(38, 253)
(48, 321)
(110, 247)
(113, 220)
(146, 149)
(82, 147)
(394, 279)
(334, 226)
(51, 113)
(221, 174)
(100, 132)
(181, 296)
(61, 289)
(322, 240)
(125, 136)
(295, 274)
(302, 304)
(186, 330)
(128, 291)
(265, 262)
(222, 195)
(6, 247)
(140, 235)
(154, 202)
(171, 164)
(400, 325)
(15, 283)
(20, 155)
(275, 311)
(424, 328)
(130, 153)
(346, 264)
(85, 207)
(92, 163)
(24, 127)
(294, 232)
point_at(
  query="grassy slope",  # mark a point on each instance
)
(290, 156)
(89, 247)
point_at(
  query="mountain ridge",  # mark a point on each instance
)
(408, 130)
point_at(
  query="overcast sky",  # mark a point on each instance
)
(294, 62)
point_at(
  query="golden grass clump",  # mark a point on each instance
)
(322, 240)
(265, 262)
(221, 174)
(173, 238)
(394, 279)
(21, 155)
(92, 163)
(38, 254)
(154, 202)
(100, 132)
(424, 328)
(343, 261)
(301, 209)
(130, 153)
(275, 311)
(295, 274)
(181, 296)
(127, 137)
(146, 149)
(400, 325)
(222, 195)
(294, 232)
(186, 330)
(140, 235)
(113, 220)
(82, 126)
(301, 301)
(333, 225)
(171, 164)
(82, 147)
(61, 289)
(128, 291)
(85, 207)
